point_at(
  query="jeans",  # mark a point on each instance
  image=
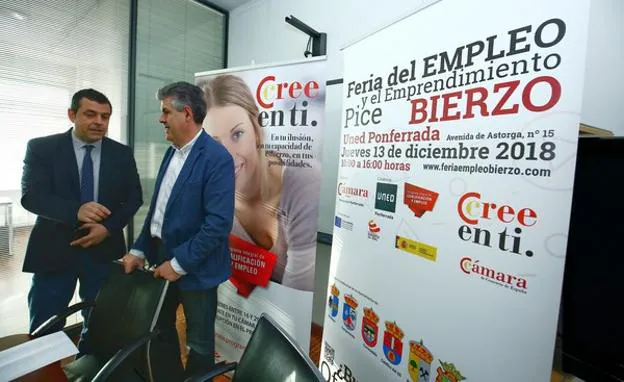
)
(200, 309)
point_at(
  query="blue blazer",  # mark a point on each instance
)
(51, 189)
(198, 216)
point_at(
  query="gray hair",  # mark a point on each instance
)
(185, 94)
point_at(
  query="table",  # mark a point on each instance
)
(50, 373)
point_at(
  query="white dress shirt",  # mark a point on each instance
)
(169, 179)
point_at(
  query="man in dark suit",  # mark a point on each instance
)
(84, 187)
(185, 234)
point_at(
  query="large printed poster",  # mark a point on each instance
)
(270, 119)
(458, 143)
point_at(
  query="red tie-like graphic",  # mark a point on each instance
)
(251, 265)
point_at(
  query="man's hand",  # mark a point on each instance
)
(165, 271)
(97, 233)
(131, 262)
(92, 212)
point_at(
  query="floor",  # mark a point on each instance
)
(14, 289)
(14, 285)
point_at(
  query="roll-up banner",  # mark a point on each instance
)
(270, 118)
(458, 143)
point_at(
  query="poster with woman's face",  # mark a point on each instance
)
(270, 119)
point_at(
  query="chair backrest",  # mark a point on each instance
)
(273, 355)
(126, 309)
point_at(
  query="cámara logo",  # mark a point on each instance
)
(502, 279)
(344, 190)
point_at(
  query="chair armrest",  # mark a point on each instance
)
(120, 356)
(48, 325)
(218, 369)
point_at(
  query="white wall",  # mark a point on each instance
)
(258, 33)
(603, 101)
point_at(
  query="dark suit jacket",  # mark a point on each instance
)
(51, 189)
(198, 216)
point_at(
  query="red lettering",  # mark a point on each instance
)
(294, 90)
(555, 93)
(259, 92)
(280, 89)
(419, 112)
(447, 106)
(434, 108)
(311, 89)
(505, 211)
(511, 87)
(426, 109)
(267, 91)
(471, 209)
(472, 102)
(527, 213)
(460, 207)
(486, 210)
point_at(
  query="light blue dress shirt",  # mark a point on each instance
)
(96, 156)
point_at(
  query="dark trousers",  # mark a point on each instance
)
(51, 293)
(200, 309)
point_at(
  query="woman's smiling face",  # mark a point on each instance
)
(232, 127)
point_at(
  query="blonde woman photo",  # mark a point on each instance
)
(276, 205)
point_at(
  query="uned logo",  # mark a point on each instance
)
(385, 197)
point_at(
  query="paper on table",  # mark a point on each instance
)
(34, 354)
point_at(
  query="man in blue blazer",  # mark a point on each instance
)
(84, 189)
(185, 234)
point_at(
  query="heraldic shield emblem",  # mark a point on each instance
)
(393, 343)
(420, 359)
(334, 302)
(349, 312)
(370, 327)
(447, 372)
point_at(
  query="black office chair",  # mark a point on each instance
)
(271, 355)
(121, 322)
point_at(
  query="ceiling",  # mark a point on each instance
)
(228, 5)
